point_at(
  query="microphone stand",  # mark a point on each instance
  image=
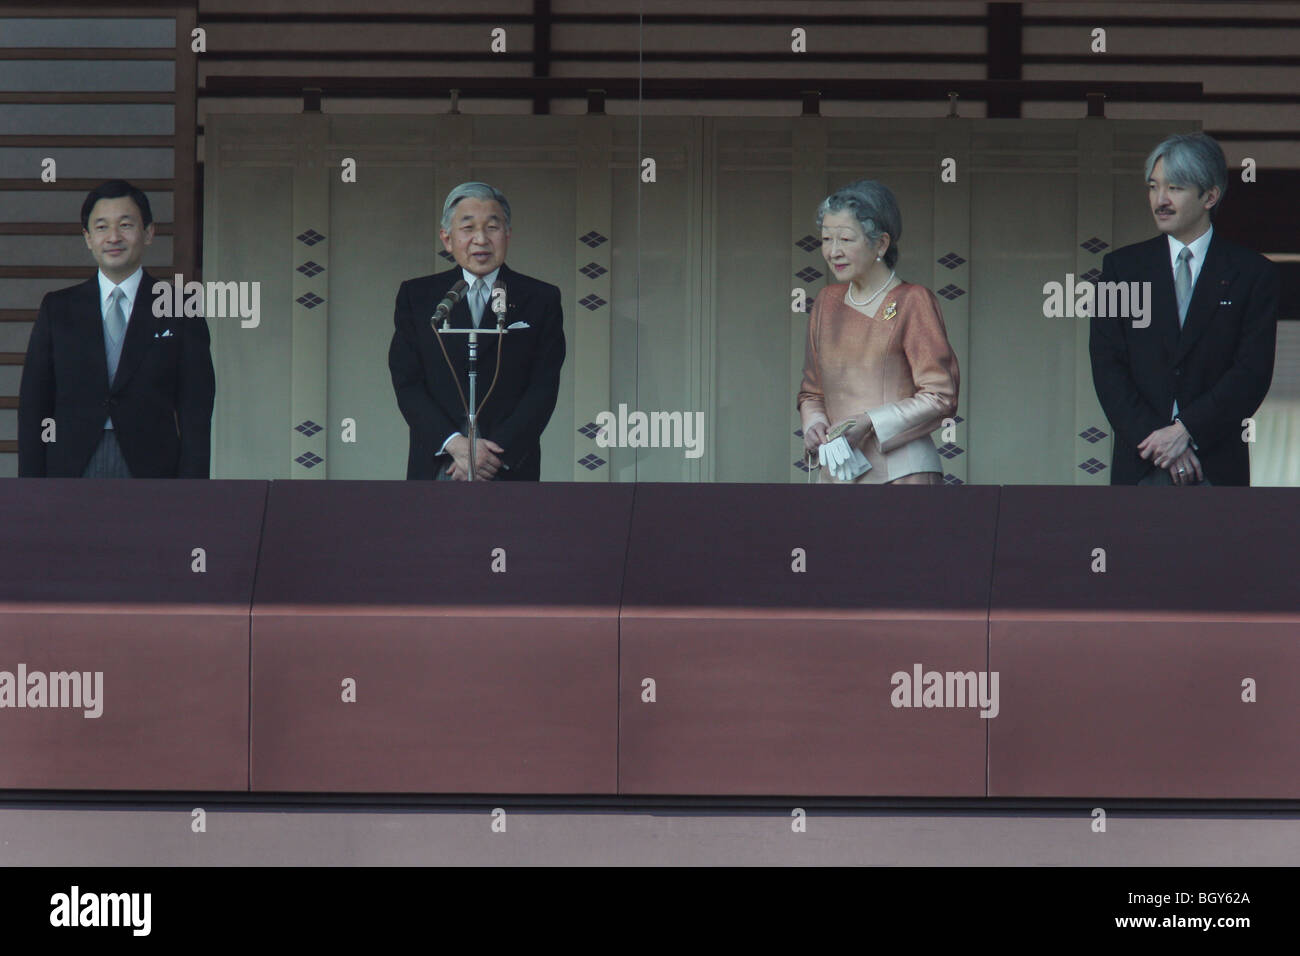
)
(473, 402)
(473, 377)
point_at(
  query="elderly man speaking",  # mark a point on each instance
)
(431, 377)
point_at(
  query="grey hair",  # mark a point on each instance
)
(473, 191)
(875, 208)
(1192, 159)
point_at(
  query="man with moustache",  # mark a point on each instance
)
(128, 394)
(475, 230)
(1176, 391)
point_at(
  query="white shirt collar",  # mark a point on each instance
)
(471, 278)
(130, 286)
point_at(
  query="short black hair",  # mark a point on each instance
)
(116, 189)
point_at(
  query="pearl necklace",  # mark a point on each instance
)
(849, 292)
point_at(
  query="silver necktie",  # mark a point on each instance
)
(1183, 284)
(116, 315)
(116, 329)
(476, 301)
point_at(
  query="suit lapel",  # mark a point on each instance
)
(139, 332)
(516, 295)
(88, 315)
(1164, 302)
(1216, 275)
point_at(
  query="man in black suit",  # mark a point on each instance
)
(1176, 391)
(476, 232)
(108, 389)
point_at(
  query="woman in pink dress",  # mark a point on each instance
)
(877, 349)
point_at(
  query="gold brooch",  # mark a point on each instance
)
(891, 310)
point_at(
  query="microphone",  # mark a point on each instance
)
(454, 295)
(499, 301)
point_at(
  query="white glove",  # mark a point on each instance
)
(833, 452)
(844, 461)
(855, 466)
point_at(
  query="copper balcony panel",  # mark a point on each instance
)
(769, 681)
(98, 578)
(1129, 683)
(467, 680)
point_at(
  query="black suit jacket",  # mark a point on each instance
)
(526, 390)
(160, 400)
(1219, 365)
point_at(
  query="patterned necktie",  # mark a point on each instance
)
(115, 330)
(1183, 284)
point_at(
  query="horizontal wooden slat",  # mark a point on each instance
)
(8, 401)
(1162, 59)
(1257, 98)
(65, 229)
(86, 53)
(1263, 135)
(650, 18)
(57, 272)
(1169, 22)
(608, 19)
(71, 8)
(9, 447)
(693, 56)
(583, 56)
(83, 185)
(712, 88)
(18, 315)
(70, 97)
(87, 141)
(403, 19)
(12, 358)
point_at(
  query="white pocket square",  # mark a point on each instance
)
(518, 325)
(165, 334)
